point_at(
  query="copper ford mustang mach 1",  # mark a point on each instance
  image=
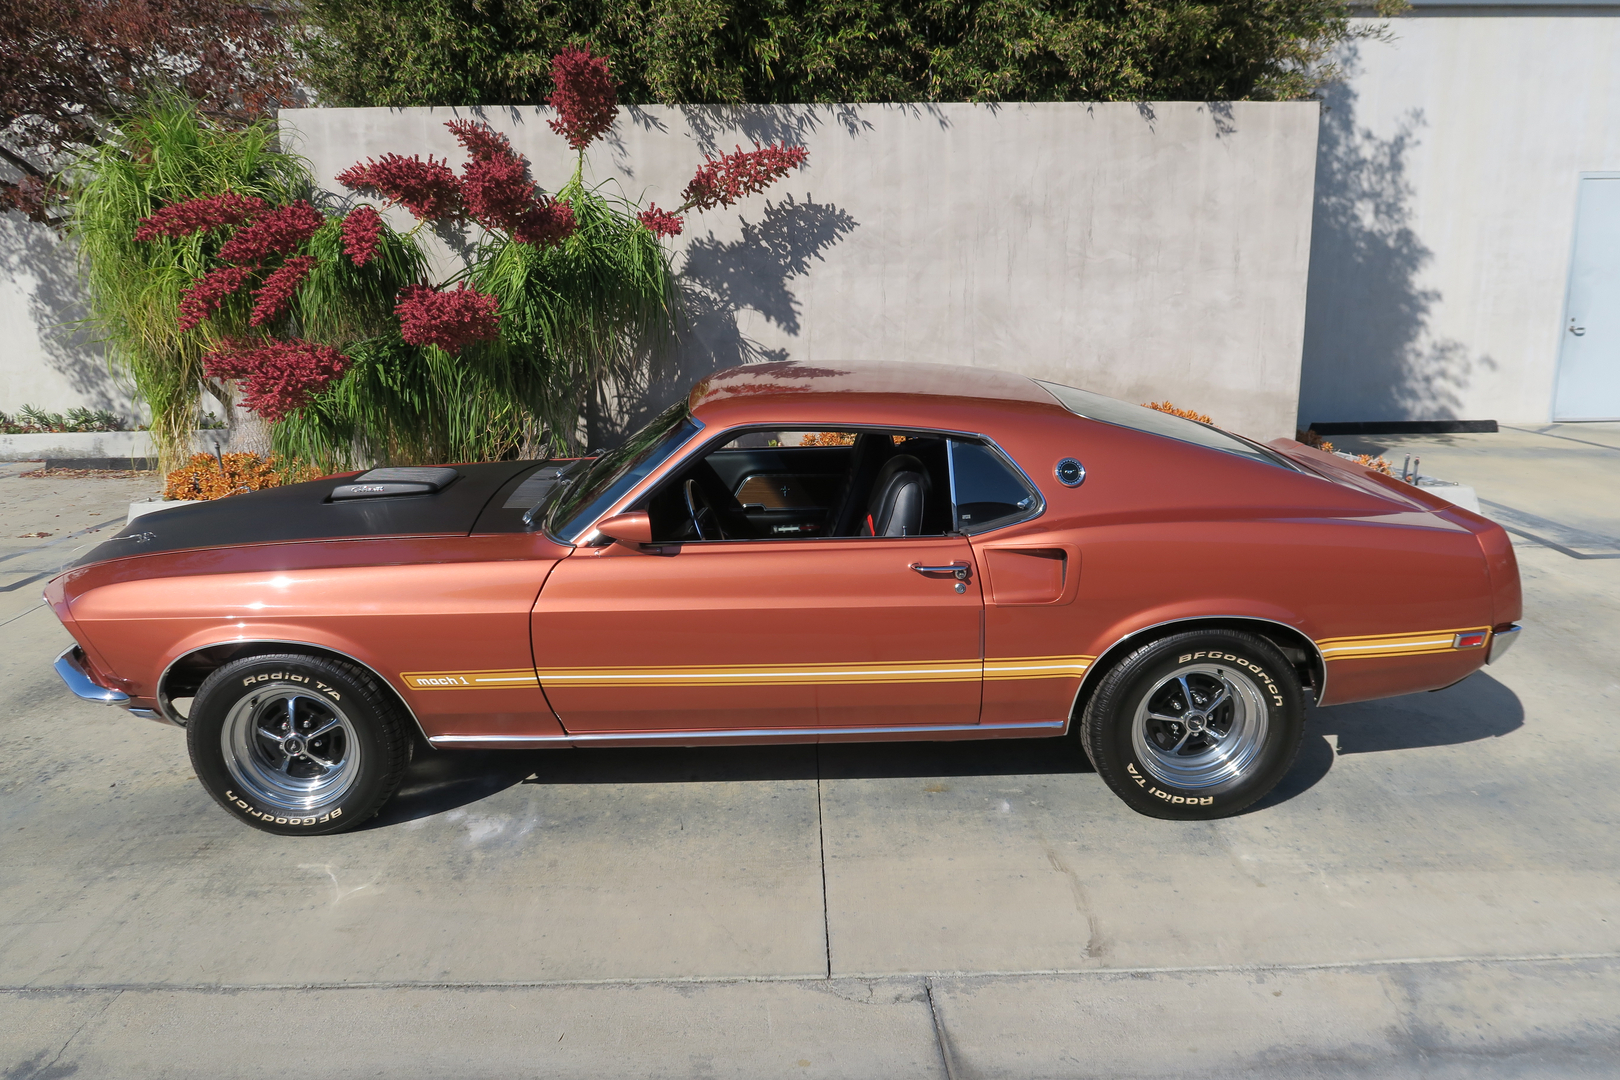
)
(793, 554)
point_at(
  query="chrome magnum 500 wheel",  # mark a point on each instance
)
(297, 744)
(1196, 725)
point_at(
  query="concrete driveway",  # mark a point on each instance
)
(1434, 890)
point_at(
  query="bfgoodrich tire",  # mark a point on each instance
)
(1196, 725)
(295, 744)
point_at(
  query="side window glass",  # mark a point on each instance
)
(986, 491)
(807, 485)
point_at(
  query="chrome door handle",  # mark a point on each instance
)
(958, 570)
(1578, 331)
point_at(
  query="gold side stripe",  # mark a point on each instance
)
(921, 671)
(1382, 645)
(1037, 667)
(470, 680)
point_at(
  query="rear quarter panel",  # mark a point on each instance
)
(1162, 531)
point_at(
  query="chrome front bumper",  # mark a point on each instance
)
(1501, 642)
(71, 666)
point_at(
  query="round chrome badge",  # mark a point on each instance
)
(1070, 473)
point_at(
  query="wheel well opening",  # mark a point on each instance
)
(1299, 650)
(186, 675)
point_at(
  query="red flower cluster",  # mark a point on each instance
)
(586, 98)
(722, 181)
(480, 140)
(427, 189)
(277, 291)
(205, 295)
(549, 222)
(449, 320)
(275, 232)
(199, 215)
(661, 223)
(362, 228)
(277, 377)
(495, 184)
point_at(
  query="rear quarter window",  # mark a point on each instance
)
(986, 490)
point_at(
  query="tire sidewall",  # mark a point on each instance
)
(373, 730)
(1111, 714)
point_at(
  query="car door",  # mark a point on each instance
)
(802, 631)
(762, 634)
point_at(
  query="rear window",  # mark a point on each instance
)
(1113, 411)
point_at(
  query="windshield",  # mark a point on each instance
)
(1113, 411)
(613, 474)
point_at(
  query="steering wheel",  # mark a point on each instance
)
(704, 519)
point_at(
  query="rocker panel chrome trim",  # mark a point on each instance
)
(1045, 727)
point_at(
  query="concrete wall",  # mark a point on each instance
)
(1154, 251)
(1445, 211)
(44, 359)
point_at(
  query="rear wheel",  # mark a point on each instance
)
(297, 744)
(1196, 725)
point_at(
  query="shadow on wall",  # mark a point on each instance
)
(1369, 353)
(43, 266)
(719, 280)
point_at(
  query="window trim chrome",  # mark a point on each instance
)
(592, 538)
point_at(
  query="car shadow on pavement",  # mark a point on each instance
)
(1477, 708)
(438, 781)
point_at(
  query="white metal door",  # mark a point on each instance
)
(1589, 359)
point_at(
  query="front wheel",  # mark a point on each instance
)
(296, 744)
(1197, 725)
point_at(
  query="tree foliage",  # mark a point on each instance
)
(497, 52)
(70, 70)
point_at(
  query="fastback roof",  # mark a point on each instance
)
(893, 384)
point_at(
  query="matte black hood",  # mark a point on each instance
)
(307, 512)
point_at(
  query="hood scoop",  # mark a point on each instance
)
(382, 483)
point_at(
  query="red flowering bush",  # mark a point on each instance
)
(208, 292)
(565, 304)
(273, 232)
(362, 228)
(277, 377)
(427, 189)
(586, 98)
(199, 215)
(277, 291)
(722, 181)
(450, 319)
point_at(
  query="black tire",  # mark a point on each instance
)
(1168, 760)
(239, 735)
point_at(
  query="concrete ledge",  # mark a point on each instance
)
(94, 449)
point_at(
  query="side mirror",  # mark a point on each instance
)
(632, 530)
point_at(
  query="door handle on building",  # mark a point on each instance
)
(1578, 331)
